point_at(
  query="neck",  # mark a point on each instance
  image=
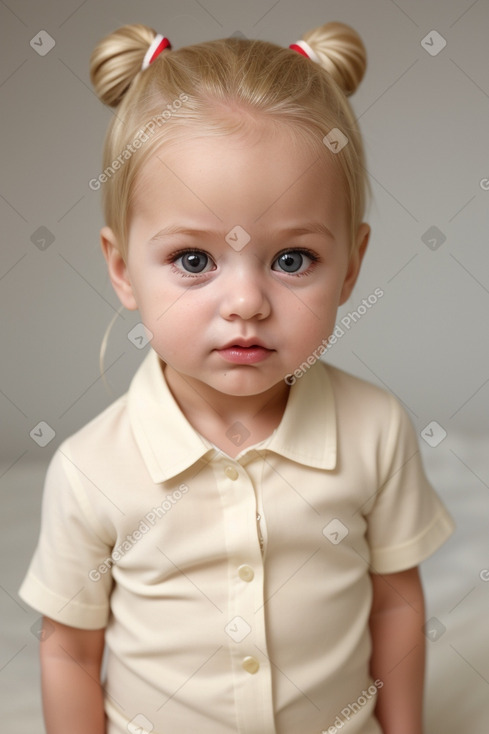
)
(230, 422)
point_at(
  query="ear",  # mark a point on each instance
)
(356, 258)
(118, 273)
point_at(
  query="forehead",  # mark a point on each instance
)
(267, 174)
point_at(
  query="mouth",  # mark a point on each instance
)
(244, 351)
(241, 343)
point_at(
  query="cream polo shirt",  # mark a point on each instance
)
(235, 592)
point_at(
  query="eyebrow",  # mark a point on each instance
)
(305, 228)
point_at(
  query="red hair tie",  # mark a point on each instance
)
(303, 48)
(158, 45)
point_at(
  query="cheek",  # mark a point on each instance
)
(309, 326)
(322, 303)
(173, 313)
(318, 316)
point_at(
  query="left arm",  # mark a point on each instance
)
(398, 650)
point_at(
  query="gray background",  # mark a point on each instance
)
(425, 122)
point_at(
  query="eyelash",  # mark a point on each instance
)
(179, 253)
(303, 251)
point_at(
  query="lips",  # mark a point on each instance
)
(244, 351)
(244, 343)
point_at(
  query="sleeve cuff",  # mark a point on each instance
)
(65, 611)
(410, 554)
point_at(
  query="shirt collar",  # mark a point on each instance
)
(167, 441)
(169, 444)
(307, 432)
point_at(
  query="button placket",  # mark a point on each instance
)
(245, 626)
(259, 530)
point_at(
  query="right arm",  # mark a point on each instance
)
(72, 693)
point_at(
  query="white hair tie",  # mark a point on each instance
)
(158, 45)
(303, 48)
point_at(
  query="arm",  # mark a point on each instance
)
(398, 656)
(70, 670)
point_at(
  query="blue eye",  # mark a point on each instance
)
(293, 261)
(193, 261)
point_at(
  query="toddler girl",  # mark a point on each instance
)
(241, 530)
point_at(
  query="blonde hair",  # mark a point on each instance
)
(218, 88)
(225, 87)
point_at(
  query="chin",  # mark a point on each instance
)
(243, 385)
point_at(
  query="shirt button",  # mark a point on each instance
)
(251, 665)
(231, 472)
(246, 573)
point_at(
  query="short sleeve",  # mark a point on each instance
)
(407, 521)
(62, 581)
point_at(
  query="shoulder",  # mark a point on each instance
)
(350, 390)
(110, 432)
(82, 457)
(367, 412)
(103, 430)
(90, 475)
(94, 460)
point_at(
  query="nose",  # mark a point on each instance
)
(245, 296)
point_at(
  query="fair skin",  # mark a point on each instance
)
(230, 318)
(212, 185)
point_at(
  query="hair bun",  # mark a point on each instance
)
(117, 59)
(341, 52)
